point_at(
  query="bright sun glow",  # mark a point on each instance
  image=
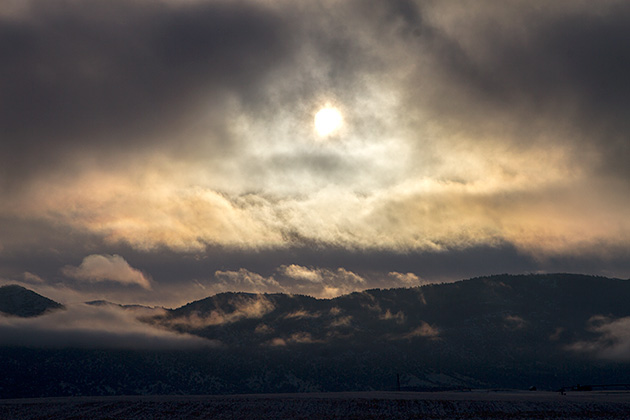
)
(327, 121)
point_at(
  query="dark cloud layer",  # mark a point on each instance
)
(90, 79)
(528, 70)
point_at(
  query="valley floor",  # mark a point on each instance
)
(363, 405)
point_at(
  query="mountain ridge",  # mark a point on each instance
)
(445, 304)
(501, 331)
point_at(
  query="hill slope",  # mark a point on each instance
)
(492, 310)
(499, 331)
(19, 301)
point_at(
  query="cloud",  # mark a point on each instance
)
(414, 216)
(245, 281)
(404, 279)
(293, 278)
(482, 130)
(90, 326)
(92, 92)
(514, 322)
(613, 342)
(341, 322)
(321, 282)
(399, 316)
(302, 314)
(32, 278)
(296, 338)
(424, 330)
(302, 273)
(98, 268)
(242, 307)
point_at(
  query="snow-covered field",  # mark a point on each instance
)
(346, 406)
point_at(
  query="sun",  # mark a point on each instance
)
(327, 121)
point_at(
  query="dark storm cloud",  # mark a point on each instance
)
(530, 69)
(100, 76)
(89, 79)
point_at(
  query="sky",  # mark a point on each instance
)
(162, 151)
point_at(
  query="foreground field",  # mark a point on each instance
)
(370, 405)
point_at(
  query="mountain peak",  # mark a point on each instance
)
(19, 301)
